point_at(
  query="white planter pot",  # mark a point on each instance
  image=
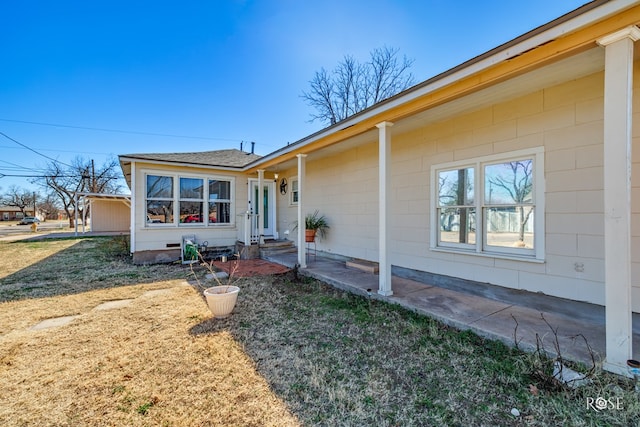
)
(221, 300)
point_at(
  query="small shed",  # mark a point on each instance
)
(109, 212)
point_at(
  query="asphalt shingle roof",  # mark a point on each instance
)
(225, 158)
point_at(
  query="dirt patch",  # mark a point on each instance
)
(250, 267)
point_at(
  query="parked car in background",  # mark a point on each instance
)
(193, 218)
(29, 220)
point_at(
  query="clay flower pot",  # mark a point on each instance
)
(309, 235)
(221, 300)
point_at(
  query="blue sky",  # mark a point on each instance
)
(213, 73)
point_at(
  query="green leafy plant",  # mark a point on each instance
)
(316, 222)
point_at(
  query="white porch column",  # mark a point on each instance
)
(302, 258)
(384, 204)
(133, 201)
(75, 208)
(618, 91)
(260, 206)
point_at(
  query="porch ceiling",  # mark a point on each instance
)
(571, 68)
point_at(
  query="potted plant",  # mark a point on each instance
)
(221, 298)
(314, 224)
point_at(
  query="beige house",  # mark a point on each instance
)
(514, 168)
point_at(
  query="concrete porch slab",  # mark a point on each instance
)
(451, 307)
(489, 311)
(530, 324)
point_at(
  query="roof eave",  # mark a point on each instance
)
(131, 159)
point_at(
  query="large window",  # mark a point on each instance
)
(456, 208)
(159, 199)
(488, 205)
(188, 200)
(219, 202)
(508, 204)
(191, 201)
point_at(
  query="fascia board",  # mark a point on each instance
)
(180, 164)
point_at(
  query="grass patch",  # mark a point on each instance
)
(293, 353)
(341, 359)
(64, 266)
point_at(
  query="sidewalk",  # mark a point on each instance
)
(489, 311)
(39, 235)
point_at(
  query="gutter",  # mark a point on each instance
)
(124, 159)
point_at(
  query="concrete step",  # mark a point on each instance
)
(276, 243)
(276, 247)
(366, 266)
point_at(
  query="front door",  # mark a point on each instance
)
(268, 208)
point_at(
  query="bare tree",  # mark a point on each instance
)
(354, 86)
(456, 190)
(49, 206)
(80, 176)
(518, 186)
(20, 198)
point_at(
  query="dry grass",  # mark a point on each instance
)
(340, 359)
(293, 353)
(136, 365)
(33, 269)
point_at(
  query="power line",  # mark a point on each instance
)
(18, 169)
(2, 175)
(59, 151)
(17, 166)
(120, 131)
(31, 149)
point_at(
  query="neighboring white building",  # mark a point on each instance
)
(108, 212)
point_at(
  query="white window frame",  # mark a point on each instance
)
(171, 199)
(196, 200)
(176, 200)
(291, 201)
(230, 200)
(480, 248)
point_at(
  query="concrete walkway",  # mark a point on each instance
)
(490, 311)
(39, 235)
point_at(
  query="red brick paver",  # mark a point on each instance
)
(250, 267)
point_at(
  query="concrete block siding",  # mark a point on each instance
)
(566, 119)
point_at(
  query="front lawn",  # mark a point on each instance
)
(295, 352)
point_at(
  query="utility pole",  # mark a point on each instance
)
(93, 177)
